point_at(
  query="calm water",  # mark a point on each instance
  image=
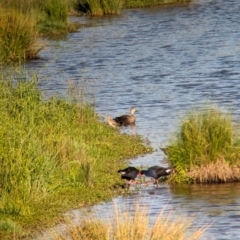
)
(164, 61)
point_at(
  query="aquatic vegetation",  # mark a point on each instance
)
(54, 154)
(130, 226)
(107, 7)
(100, 7)
(147, 3)
(18, 35)
(206, 148)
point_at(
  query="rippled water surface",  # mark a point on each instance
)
(164, 61)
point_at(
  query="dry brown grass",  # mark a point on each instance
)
(215, 172)
(131, 226)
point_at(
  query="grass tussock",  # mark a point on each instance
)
(206, 149)
(55, 153)
(215, 172)
(18, 35)
(130, 226)
(101, 7)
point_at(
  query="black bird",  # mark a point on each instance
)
(129, 173)
(157, 172)
(125, 120)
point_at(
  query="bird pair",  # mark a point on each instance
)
(123, 120)
(155, 172)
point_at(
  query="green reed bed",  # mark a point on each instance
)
(54, 155)
(23, 22)
(206, 148)
(54, 17)
(107, 7)
(148, 3)
(99, 7)
(18, 35)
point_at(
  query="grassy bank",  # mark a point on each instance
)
(206, 148)
(54, 155)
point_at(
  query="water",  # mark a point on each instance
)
(165, 61)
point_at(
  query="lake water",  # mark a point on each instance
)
(165, 61)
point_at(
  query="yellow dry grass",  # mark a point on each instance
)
(215, 172)
(126, 225)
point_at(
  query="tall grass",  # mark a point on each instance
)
(106, 7)
(18, 35)
(54, 16)
(206, 144)
(147, 3)
(22, 22)
(100, 7)
(126, 225)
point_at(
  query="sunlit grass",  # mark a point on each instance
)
(18, 35)
(128, 225)
(206, 148)
(55, 153)
(147, 3)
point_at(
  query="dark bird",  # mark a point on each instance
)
(125, 120)
(129, 173)
(156, 172)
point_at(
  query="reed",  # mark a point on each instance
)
(127, 225)
(54, 16)
(101, 7)
(148, 3)
(18, 35)
(205, 145)
(112, 7)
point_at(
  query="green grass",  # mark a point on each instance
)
(148, 3)
(18, 35)
(107, 7)
(206, 148)
(54, 154)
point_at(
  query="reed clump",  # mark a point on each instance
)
(100, 7)
(126, 225)
(55, 154)
(206, 149)
(18, 35)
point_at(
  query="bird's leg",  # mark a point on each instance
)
(156, 182)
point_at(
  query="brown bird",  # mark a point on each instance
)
(125, 120)
(112, 122)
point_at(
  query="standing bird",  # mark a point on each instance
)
(112, 122)
(129, 173)
(125, 120)
(156, 172)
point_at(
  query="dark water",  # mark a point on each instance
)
(165, 61)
